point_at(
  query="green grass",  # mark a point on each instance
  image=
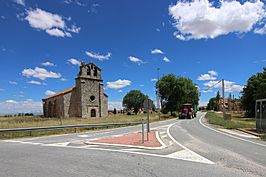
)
(263, 137)
(37, 121)
(237, 121)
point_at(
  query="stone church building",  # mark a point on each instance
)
(86, 99)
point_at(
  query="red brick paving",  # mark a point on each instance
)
(132, 139)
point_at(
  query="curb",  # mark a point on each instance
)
(249, 132)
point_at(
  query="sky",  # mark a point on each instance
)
(43, 42)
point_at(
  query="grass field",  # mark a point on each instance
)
(237, 121)
(37, 121)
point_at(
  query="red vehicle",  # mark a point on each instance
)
(187, 111)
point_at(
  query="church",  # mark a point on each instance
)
(86, 99)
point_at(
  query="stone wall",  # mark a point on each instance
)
(54, 107)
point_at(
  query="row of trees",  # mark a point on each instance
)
(173, 91)
(19, 115)
(254, 90)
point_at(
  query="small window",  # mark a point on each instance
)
(95, 72)
(92, 98)
(88, 71)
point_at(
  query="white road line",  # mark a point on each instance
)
(125, 151)
(94, 147)
(187, 154)
(95, 134)
(160, 140)
(226, 134)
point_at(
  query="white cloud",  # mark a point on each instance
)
(136, 60)
(40, 73)
(20, 2)
(117, 105)
(74, 29)
(76, 2)
(234, 88)
(63, 79)
(211, 75)
(13, 82)
(214, 84)
(228, 85)
(207, 91)
(11, 101)
(52, 24)
(154, 80)
(57, 32)
(118, 84)
(157, 51)
(260, 30)
(47, 63)
(120, 91)
(34, 82)
(12, 107)
(166, 59)
(99, 56)
(74, 61)
(200, 19)
(49, 93)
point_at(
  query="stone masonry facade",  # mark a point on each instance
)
(87, 99)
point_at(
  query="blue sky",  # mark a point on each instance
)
(42, 43)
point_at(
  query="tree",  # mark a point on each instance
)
(175, 91)
(134, 100)
(214, 102)
(254, 90)
(114, 111)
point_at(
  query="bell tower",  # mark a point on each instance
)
(90, 93)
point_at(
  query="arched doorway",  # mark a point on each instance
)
(93, 113)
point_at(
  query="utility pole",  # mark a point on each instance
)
(223, 98)
(157, 96)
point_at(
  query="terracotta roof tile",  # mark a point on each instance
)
(60, 93)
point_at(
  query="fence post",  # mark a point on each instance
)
(142, 131)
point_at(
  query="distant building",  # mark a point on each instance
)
(230, 104)
(227, 102)
(86, 99)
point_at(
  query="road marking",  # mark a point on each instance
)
(94, 134)
(160, 140)
(200, 121)
(129, 152)
(187, 154)
(94, 147)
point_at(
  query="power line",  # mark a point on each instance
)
(212, 86)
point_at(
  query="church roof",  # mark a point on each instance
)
(63, 92)
(60, 93)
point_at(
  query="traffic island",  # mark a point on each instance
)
(132, 140)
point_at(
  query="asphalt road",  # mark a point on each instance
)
(219, 154)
